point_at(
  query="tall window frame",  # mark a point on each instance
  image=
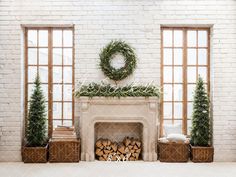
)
(187, 67)
(50, 66)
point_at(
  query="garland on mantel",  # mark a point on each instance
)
(107, 90)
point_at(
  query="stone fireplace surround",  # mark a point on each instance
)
(118, 110)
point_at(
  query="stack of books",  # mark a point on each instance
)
(64, 133)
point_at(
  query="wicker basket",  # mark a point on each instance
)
(202, 154)
(64, 151)
(173, 152)
(34, 154)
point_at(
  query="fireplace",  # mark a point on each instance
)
(116, 118)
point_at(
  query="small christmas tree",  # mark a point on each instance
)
(200, 133)
(36, 127)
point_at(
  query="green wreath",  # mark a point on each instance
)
(107, 54)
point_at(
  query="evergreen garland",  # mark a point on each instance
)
(36, 125)
(107, 55)
(200, 133)
(107, 90)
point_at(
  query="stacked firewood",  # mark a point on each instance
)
(129, 149)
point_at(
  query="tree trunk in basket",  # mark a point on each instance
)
(202, 154)
(34, 154)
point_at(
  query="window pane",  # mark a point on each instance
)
(202, 56)
(32, 56)
(190, 109)
(57, 92)
(167, 57)
(67, 123)
(202, 71)
(178, 109)
(57, 110)
(191, 88)
(43, 38)
(67, 92)
(32, 38)
(57, 38)
(167, 107)
(168, 74)
(43, 56)
(30, 90)
(202, 38)
(67, 75)
(57, 56)
(32, 72)
(189, 126)
(178, 56)
(191, 38)
(67, 38)
(192, 57)
(167, 38)
(57, 74)
(167, 92)
(43, 73)
(178, 92)
(67, 56)
(57, 123)
(45, 91)
(178, 38)
(191, 75)
(178, 75)
(67, 111)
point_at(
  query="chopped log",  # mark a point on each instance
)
(99, 152)
(132, 159)
(126, 141)
(126, 150)
(101, 158)
(108, 142)
(132, 150)
(105, 156)
(130, 147)
(122, 157)
(138, 150)
(106, 151)
(121, 148)
(104, 142)
(114, 146)
(132, 142)
(136, 147)
(99, 143)
(136, 155)
(138, 143)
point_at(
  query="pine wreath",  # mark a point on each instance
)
(107, 54)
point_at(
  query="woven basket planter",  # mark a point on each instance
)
(173, 152)
(64, 151)
(202, 154)
(34, 154)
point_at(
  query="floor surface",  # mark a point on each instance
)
(118, 169)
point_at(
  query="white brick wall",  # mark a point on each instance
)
(135, 21)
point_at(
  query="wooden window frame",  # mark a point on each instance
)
(184, 72)
(50, 66)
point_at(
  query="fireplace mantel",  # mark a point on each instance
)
(126, 109)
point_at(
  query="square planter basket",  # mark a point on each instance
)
(64, 151)
(34, 154)
(202, 154)
(173, 152)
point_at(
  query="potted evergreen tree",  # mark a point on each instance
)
(201, 148)
(35, 148)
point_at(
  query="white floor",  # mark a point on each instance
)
(118, 169)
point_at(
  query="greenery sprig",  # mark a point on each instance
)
(107, 54)
(107, 90)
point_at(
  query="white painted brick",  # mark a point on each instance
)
(135, 21)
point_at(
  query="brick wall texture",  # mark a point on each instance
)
(136, 21)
